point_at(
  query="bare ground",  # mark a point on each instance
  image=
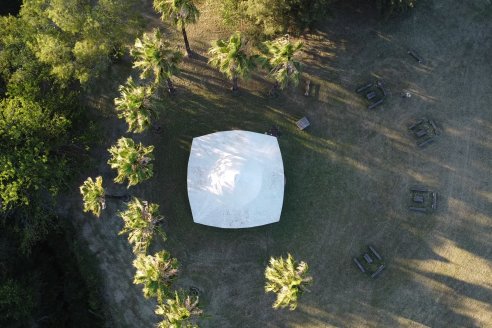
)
(347, 179)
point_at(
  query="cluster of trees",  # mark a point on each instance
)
(157, 62)
(48, 53)
(276, 56)
(273, 17)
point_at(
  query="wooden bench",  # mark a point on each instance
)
(363, 88)
(425, 143)
(436, 130)
(378, 271)
(413, 126)
(419, 188)
(420, 133)
(415, 56)
(434, 200)
(367, 258)
(418, 209)
(303, 123)
(361, 268)
(371, 95)
(375, 253)
(375, 104)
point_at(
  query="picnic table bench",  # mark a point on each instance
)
(303, 123)
(378, 271)
(418, 209)
(361, 268)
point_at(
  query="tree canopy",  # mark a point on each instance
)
(288, 279)
(156, 273)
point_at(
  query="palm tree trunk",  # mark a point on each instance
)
(235, 86)
(187, 44)
(170, 86)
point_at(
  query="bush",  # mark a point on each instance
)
(281, 16)
(16, 303)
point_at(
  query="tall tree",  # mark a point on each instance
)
(132, 161)
(156, 273)
(154, 56)
(288, 279)
(181, 12)
(231, 59)
(93, 195)
(179, 311)
(79, 38)
(141, 222)
(133, 106)
(283, 68)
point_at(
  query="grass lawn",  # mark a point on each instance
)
(348, 178)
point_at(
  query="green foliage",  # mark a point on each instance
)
(27, 134)
(288, 279)
(132, 161)
(230, 58)
(93, 195)
(180, 12)
(77, 38)
(280, 16)
(394, 7)
(156, 273)
(141, 220)
(132, 106)
(16, 304)
(179, 312)
(281, 63)
(155, 57)
(230, 12)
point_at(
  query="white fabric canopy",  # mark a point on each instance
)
(235, 179)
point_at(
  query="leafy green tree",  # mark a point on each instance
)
(156, 273)
(154, 56)
(288, 279)
(78, 38)
(283, 68)
(141, 222)
(132, 161)
(28, 136)
(231, 59)
(93, 195)
(179, 311)
(132, 105)
(279, 16)
(181, 12)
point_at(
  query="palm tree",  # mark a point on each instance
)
(141, 219)
(154, 56)
(229, 57)
(133, 107)
(156, 273)
(132, 161)
(93, 195)
(181, 12)
(283, 68)
(179, 311)
(288, 279)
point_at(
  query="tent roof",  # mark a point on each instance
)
(235, 179)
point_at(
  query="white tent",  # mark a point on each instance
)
(235, 179)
